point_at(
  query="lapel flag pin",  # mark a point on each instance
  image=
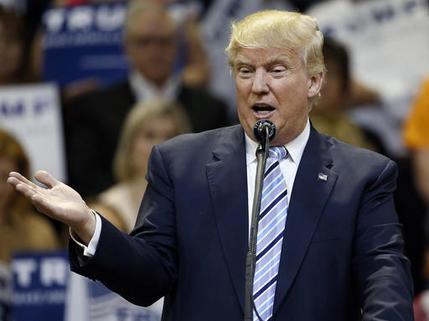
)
(323, 177)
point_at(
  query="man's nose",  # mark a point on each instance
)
(260, 84)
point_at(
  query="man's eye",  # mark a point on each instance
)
(244, 70)
(277, 70)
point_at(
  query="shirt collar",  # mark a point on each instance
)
(295, 147)
(145, 90)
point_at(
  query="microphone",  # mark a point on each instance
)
(264, 128)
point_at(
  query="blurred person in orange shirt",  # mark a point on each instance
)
(416, 138)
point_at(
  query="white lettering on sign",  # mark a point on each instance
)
(54, 20)
(24, 268)
(103, 18)
(80, 18)
(51, 271)
(110, 19)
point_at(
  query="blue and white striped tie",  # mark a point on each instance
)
(272, 220)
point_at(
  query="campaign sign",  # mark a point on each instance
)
(104, 305)
(389, 45)
(387, 39)
(4, 293)
(32, 114)
(84, 42)
(39, 283)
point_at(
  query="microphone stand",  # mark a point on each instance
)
(261, 157)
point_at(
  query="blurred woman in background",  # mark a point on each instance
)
(148, 124)
(21, 228)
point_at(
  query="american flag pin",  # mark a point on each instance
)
(323, 177)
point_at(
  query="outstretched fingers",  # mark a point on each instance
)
(25, 189)
(16, 178)
(24, 185)
(46, 178)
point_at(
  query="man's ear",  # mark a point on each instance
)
(315, 84)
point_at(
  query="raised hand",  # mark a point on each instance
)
(57, 200)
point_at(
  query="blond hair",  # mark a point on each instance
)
(12, 149)
(280, 29)
(140, 115)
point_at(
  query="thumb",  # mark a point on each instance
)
(46, 178)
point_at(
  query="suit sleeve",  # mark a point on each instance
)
(141, 266)
(381, 269)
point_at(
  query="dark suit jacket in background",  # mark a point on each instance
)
(93, 124)
(342, 249)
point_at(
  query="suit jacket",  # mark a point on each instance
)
(93, 124)
(342, 256)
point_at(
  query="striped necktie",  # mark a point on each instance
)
(272, 220)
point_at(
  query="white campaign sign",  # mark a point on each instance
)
(389, 45)
(32, 114)
(388, 40)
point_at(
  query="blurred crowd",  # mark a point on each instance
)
(177, 81)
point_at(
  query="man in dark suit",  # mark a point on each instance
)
(340, 254)
(96, 119)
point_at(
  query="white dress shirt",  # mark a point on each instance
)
(144, 90)
(288, 167)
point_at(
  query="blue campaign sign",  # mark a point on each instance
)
(104, 305)
(39, 283)
(84, 42)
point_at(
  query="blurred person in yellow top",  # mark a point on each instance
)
(329, 115)
(416, 139)
(21, 228)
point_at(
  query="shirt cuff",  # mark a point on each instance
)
(89, 250)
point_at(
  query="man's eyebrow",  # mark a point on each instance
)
(239, 61)
(278, 59)
(273, 60)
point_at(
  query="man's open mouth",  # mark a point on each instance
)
(262, 109)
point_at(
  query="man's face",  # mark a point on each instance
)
(273, 84)
(150, 44)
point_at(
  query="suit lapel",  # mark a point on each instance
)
(310, 193)
(227, 179)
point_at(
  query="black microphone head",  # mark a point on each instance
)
(263, 128)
